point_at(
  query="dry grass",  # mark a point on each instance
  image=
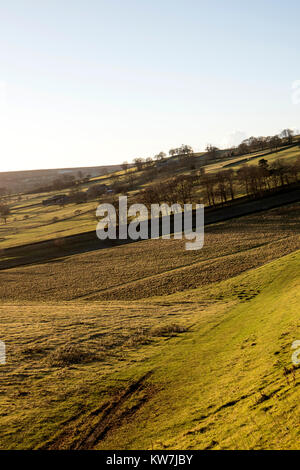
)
(169, 330)
(145, 336)
(56, 355)
(70, 354)
(39, 335)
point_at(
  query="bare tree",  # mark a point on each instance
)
(288, 135)
(212, 150)
(4, 212)
(209, 183)
(139, 163)
(125, 166)
(160, 156)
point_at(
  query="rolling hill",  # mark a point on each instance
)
(109, 360)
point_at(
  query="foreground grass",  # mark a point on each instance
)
(62, 357)
(221, 379)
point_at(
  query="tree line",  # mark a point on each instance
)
(247, 146)
(223, 186)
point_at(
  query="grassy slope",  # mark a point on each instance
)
(40, 223)
(221, 384)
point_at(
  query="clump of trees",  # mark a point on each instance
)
(256, 180)
(142, 163)
(252, 180)
(211, 150)
(183, 150)
(178, 189)
(272, 143)
(95, 191)
(139, 162)
(218, 187)
(148, 163)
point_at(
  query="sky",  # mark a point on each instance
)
(96, 82)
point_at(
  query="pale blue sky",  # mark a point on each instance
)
(98, 82)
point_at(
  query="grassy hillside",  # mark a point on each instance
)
(147, 345)
(208, 368)
(31, 221)
(223, 383)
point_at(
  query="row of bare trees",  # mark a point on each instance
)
(251, 180)
(143, 163)
(258, 179)
(250, 145)
(272, 143)
(175, 190)
(223, 186)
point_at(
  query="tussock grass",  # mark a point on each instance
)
(143, 337)
(168, 330)
(138, 339)
(70, 354)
